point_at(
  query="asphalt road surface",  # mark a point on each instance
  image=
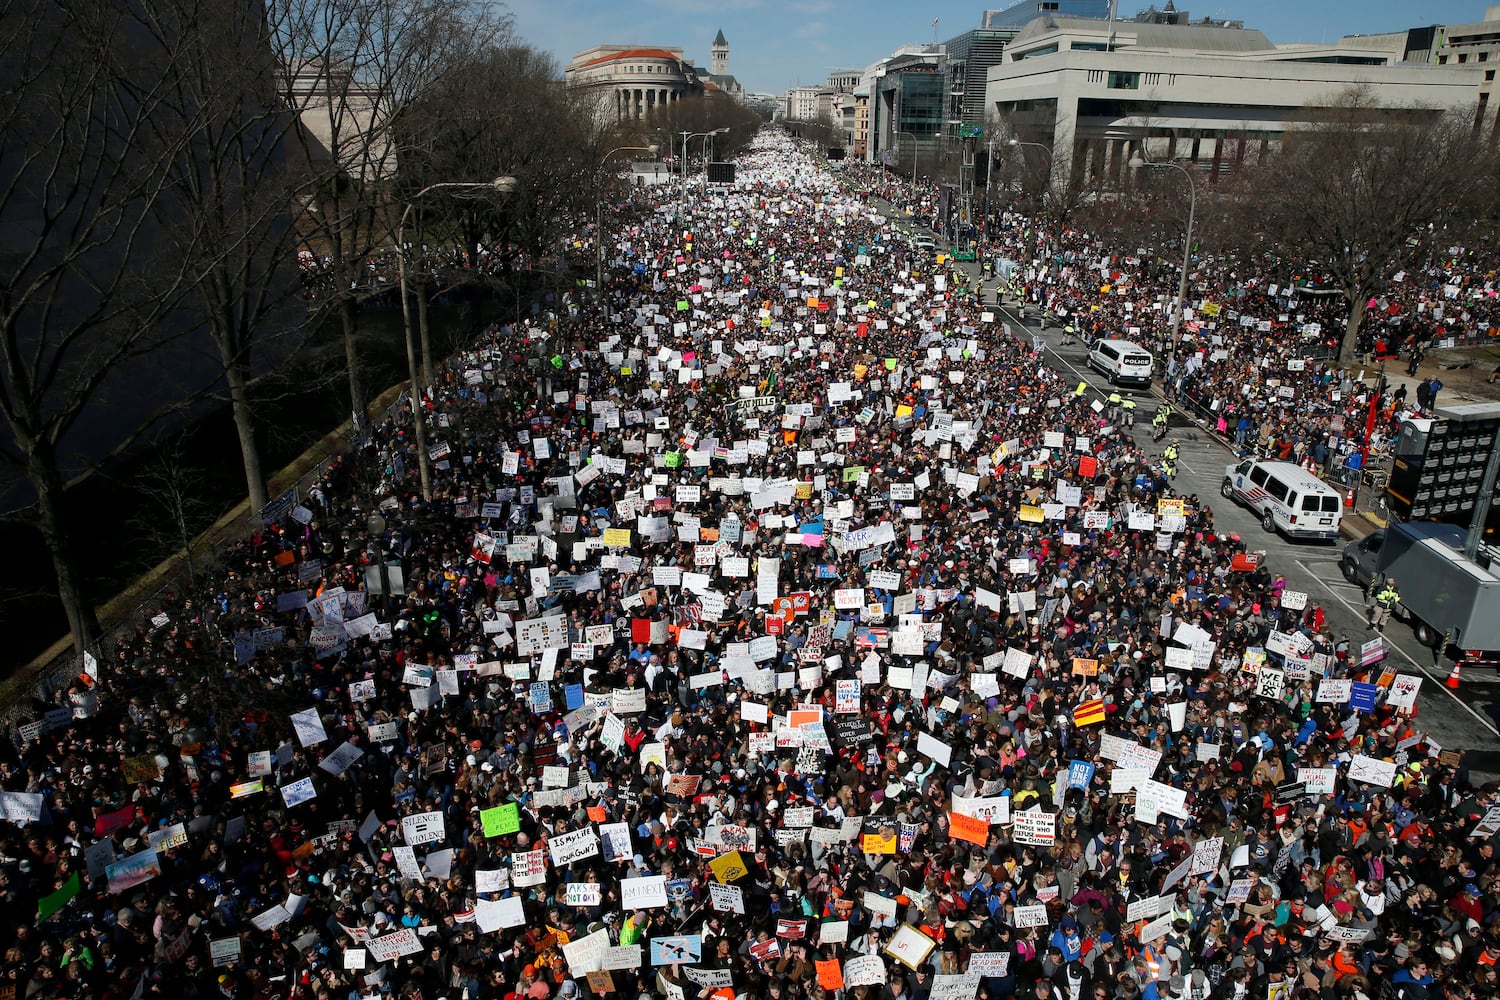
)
(1467, 719)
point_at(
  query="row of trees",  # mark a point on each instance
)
(163, 163)
(1361, 193)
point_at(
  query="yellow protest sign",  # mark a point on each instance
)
(838, 272)
(859, 370)
(903, 411)
(878, 843)
(1169, 508)
(616, 537)
(1082, 388)
(1031, 515)
(729, 867)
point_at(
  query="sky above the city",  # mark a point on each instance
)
(777, 44)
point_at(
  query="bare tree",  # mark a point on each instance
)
(545, 137)
(232, 195)
(175, 511)
(707, 113)
(352, 71)
(87, 295)
(1355, 195)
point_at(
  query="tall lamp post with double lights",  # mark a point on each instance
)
(1187, 238)
(1035, 225)
(688, 137)
(989, 169)
(502, 185)
(599, 213)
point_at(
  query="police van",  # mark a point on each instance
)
(1288, 498)
(1122, 362)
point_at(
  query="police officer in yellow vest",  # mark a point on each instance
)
(1129, 407)
(1384, 597)
(1159, 422)
(1113, 406)
(1169, 460)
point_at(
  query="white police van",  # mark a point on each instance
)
(1288, 498)
(1122, 362)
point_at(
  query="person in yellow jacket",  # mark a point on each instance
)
(1385, 597)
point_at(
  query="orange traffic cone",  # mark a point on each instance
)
(1452, 680)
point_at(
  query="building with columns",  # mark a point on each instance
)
(1209, 92)
(629, 82)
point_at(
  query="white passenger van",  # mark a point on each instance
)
(1288, 498)
(1122, 362)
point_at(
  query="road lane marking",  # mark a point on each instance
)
(1435, 681)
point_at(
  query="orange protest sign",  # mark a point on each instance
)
(975, 831)
(830, 974)
(1085, 667)
(597, 814)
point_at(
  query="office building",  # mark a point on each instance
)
(1211, 92)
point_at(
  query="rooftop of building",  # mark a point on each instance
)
(613, 53)
(1017, 15)
(1197, 37)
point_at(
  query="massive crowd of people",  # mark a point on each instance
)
(1255, 356)
(777, 627)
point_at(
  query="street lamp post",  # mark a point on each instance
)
(1187, 239)
(688, 137)
(989, 168)
(504, 185)
(599, 214)
(1035, 224)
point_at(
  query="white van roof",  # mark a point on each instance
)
(1298, 478)
(1125, 345)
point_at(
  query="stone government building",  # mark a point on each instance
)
(632, 81)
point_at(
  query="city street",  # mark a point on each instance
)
(1463, 719)
(1468, 718)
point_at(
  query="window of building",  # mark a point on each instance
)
(1442, 60)
(1484, 57)
(1124, 81)
(1489, 74)
(1463, 57)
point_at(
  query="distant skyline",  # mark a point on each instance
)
(777, 44)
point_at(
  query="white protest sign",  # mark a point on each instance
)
(422, 828)
(643, 893)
